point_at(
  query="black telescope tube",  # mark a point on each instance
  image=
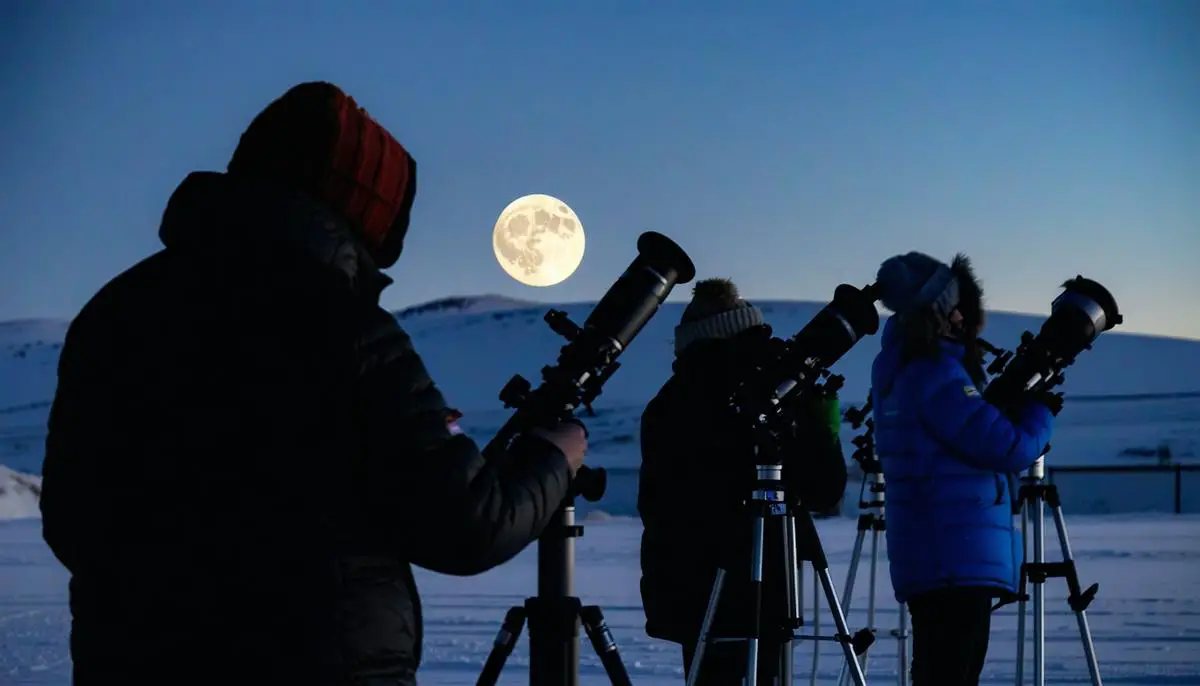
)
(638, 293)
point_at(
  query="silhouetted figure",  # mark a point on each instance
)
(951, 462)
(245, 453)
(698, 469)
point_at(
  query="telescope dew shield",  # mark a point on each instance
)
(846, 320)
(1084, 310)
(1079, 314)
(641, 289)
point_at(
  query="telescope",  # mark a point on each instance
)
(584, 365)
(800, 365)
(1084, 310)
(589, 358)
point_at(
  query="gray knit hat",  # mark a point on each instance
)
(916, 281)
(716, 311)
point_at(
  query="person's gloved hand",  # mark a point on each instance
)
(1052, 401)
(570, 437)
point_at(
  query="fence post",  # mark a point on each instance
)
(1178, 488)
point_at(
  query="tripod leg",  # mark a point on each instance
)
(756, 579)
(714, 599)
(1039, 595)
(839, 620)
(851, 575)
(1079, 599)
(871, 595)
(787, 665)
(823, 580)
(1022, 602)
(852, 572)
(602, 642)
(506, 639)
(816, 662)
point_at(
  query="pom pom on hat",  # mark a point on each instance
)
(716, 311)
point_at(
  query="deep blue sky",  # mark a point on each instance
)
(790, 146)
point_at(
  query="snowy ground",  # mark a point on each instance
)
(1146, 619)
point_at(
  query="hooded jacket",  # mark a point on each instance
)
(948, 456)
(246, 454)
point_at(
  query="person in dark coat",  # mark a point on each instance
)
(950, 460)
(697, 471)
(245, 453)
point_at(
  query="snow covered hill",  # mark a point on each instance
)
(1133, 398)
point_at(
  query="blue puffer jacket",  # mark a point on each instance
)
(947, 458)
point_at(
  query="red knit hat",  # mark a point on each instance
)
(316, 139)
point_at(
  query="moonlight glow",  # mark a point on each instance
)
(538, 240)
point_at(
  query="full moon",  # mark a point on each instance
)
(538, 240)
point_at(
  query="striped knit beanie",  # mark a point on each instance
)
(716, 311)
(316, 139)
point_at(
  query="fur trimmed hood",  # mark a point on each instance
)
(970, 294)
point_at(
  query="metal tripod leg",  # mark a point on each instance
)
(1039, 593)
(795, 599)
(1034, 497)
(756, 577)
(824, 581)
(1023, 603)
(603, 643)
(816, 627)
(502, 647)
(1079, 599)
(1032, 511)
(593, 621)
(866, 521)
(714, 599)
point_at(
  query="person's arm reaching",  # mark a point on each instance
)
(450, 510)
(979, 433)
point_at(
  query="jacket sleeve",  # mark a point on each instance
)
(820, 468)
(979, 433)
(63, 494)
(431, 490)
(75, 516)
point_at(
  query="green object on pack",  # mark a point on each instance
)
(828, 409)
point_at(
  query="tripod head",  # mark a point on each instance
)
(864, 443)
(589, 358)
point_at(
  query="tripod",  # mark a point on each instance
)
(871, 518)
(768, 502)
(1033, 493)
(554, 616)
